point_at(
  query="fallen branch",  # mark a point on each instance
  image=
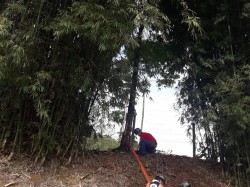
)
(84, 176)
(9, 184)
(91, 173)
(26, 175)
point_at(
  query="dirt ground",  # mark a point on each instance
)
(110, 169)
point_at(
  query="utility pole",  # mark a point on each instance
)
(143, 107)
(194, 145)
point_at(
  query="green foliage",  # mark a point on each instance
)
(61, 72)
(214, 92)
(102, 143)
(99, 23)
(65, 67)
(190, 18)
(53, 71)
(147, 164)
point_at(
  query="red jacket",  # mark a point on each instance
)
(147, 136)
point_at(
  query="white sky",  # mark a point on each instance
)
(161, 120)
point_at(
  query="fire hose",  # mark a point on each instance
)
(141, 165)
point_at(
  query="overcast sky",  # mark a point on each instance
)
(161, 120)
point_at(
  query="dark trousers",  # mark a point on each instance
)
(146, 146)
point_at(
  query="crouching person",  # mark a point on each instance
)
(147, 143)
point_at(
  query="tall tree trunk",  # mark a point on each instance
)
(126, 137)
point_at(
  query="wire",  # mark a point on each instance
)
(166, 132)
(172, 141)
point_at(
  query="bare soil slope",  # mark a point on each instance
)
(110, 169)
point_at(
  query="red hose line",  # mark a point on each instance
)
(141, 165)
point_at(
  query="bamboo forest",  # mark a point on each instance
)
(70, 67)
